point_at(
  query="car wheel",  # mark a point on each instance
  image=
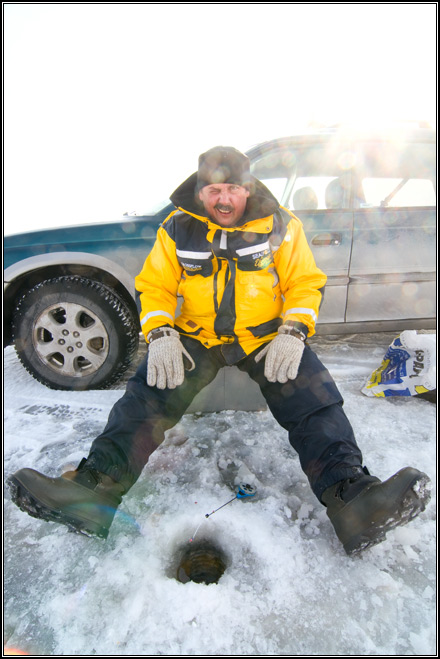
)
(74, 333)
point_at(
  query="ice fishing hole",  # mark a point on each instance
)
(201, 562)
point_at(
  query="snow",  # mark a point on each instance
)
(288, 589)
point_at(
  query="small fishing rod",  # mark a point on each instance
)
(244, 491)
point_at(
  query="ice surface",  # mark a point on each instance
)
(289, 588)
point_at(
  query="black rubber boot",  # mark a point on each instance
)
(363, 509)
(83, 500)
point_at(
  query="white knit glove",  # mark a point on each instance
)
(283, 356)
(165, 359)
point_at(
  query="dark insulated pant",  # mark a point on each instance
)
(309, 408)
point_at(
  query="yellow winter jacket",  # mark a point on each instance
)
(236, 285)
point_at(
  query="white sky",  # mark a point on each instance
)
(107, 106)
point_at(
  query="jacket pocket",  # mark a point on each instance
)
(196, 263)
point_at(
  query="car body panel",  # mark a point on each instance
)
(329, 235)
(393, 269)
(105, 264)
(126, 243)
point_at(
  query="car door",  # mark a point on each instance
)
(312, 179)
(393, 264)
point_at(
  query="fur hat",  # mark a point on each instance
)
(223, 164)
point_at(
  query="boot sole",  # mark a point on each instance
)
(30, 505)
(413, 503)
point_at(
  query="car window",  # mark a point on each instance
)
(307, 177)
(396, 175)
(398, 192)
(315, 193)
(276, 186)
(275, 169)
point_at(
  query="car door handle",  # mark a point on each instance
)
(322, 239)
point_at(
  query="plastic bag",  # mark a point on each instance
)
(408, 367)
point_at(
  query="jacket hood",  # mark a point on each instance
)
(260, 203)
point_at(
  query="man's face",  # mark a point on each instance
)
(225, 203)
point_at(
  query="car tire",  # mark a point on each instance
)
(74, 333)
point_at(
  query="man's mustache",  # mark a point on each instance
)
(223, 207)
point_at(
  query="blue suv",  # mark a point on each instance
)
(368, 205)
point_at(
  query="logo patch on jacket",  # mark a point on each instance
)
(255, 257)
(191, 266)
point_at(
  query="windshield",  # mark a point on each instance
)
(151, 209)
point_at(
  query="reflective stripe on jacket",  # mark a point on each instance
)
(237, 285)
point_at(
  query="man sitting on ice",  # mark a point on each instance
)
(251, 296)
